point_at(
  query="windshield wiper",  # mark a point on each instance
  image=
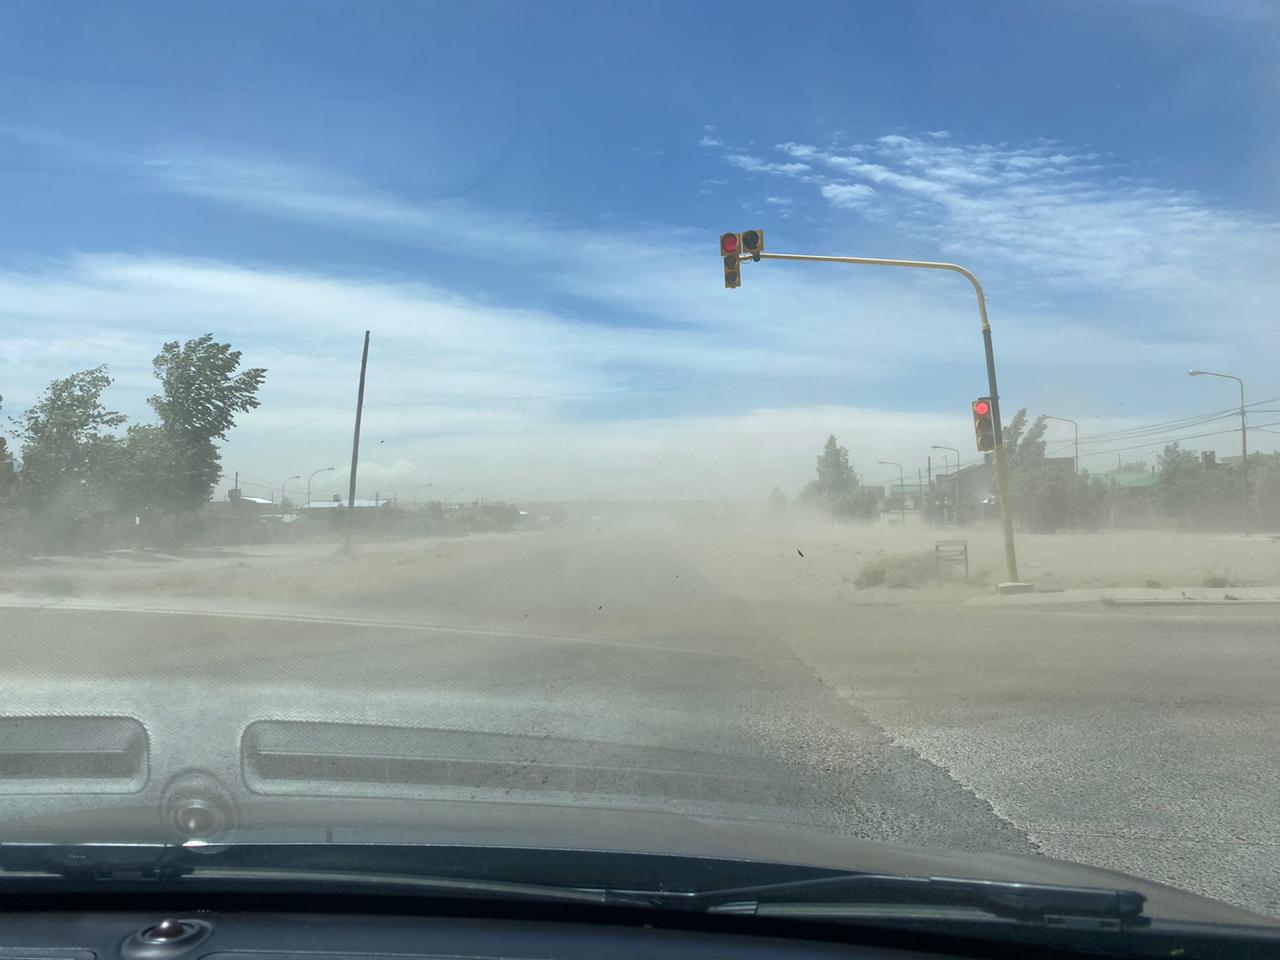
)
(830, 896)
(861, 894)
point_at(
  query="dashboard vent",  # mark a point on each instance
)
(294, 757)
(70, 754)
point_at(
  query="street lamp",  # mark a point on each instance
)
(731, 253)
(938, 446)
(415, 493)
(312, 477)
(1076, 426)
(901, 490)
(296, 476)
(1244, 445)
(955, 477)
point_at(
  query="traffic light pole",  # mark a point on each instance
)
(1002, 465)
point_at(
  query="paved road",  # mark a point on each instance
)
(1136, 740)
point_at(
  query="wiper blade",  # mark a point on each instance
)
(420, 884)
(175, 866)
(864, 892)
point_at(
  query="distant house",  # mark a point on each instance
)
(339, 504)
(1129, 479)
(964, 490)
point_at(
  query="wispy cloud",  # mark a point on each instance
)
(755, 165)
(1047, 216)
(848, 196)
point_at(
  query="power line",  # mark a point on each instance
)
(1194, 436)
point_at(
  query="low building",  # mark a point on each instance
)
(963, 492)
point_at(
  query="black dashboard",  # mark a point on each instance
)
(301, 936)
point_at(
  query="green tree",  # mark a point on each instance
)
(149, 476)
(1023, 445)
(1194, 494)
(836, 488)
(1048, 496)
(67, 447)
(201, 393)
(835, 476)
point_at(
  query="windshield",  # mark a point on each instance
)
(654, 428)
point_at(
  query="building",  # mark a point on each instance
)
(963, 491)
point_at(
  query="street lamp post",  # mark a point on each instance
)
(956, 479)
(312, 477)
(1074, 426)
(1244, 445)
(285, 483)
(902, 493)
(939, 446)
(1002, 462)
(416, 490)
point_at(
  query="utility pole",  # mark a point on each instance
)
(749, 246)
(902, 492)
(1244, 446)
(355, 443)
(1076, 427)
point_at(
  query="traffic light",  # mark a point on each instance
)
(753, 244)
(984, 427)
(730, 248)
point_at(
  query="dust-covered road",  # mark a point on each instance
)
(1145, 742)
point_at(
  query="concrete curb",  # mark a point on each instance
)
(1190, 602)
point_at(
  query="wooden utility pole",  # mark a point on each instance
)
(355, 443)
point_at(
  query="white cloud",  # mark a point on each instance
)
(710, 141)
(756, 165)
(1043, 216)
(780, 201)
(848, 196)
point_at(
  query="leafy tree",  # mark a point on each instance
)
(201, 393)
(1023, 445)
(66, 444)
(1195, 494)
(835, 476)
(150, 472)
(1047, 497)
(836, 488)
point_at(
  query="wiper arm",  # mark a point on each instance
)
(864, 891)
(175, 866)
(421, 884)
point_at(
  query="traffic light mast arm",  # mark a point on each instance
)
(1002, 470)
(877, 262)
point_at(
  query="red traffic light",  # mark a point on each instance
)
(728, 244)
(981, 408)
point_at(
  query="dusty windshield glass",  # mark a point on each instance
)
(421, 413)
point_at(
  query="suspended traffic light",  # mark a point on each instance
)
(753, 244)
(730, 248)
(732, 272)
(984, 428)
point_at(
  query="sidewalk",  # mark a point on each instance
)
(1137, 597)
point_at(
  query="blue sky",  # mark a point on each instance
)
(522, 202)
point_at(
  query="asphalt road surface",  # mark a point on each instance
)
(1145, 741)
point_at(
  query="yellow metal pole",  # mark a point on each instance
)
(1002, 465)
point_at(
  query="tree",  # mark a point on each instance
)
(835, 476)
(150, 472)
(1047, 496)
(836, 488)
(1196, 494)
(67, 448)
(1023, 446)
(201, 393)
